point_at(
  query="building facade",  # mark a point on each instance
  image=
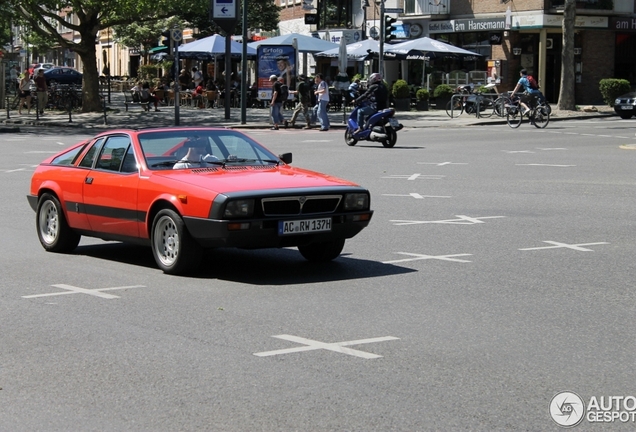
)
(509, 34)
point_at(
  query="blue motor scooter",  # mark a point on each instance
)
(379, 127)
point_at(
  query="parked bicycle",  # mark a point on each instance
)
(538, 113)
(471, 102)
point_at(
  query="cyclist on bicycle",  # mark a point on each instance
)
(530, 95)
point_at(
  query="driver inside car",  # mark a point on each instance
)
(197, 155)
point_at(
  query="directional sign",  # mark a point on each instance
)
(224, 9)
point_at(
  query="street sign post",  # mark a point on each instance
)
(224, 13)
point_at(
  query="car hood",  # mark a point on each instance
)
(241, 178)
(631, 95)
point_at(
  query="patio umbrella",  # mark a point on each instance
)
(355, 51)
(211, 47)
(306, 44)
(422, 48)
(342, 79)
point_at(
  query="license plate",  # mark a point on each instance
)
(304, 226)
(627, 107)
(393, 122)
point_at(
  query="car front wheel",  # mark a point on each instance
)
(175, 251)
(625, 116)
(323, 251)
(53, 231)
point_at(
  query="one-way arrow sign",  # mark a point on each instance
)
(224, 9)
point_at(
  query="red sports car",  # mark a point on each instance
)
(180, 190)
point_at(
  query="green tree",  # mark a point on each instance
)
(44, 18)
(143, 35)
(260, 14)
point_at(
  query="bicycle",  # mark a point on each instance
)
(455, 107)
(538, 114)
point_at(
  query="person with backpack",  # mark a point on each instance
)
(302, 92)
(530, 88)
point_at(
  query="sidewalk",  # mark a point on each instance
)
(256, 118)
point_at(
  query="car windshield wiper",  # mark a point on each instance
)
(252, 160)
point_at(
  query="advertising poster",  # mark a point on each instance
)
(279, 60)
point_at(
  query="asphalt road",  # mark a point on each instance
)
(498, 271)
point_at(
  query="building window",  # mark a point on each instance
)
(335, 14)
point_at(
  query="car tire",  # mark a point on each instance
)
(323, 251)
(54, 233)
(175, 251)
(349, 139)
(625, 116)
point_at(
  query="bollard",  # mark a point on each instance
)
(8, 108)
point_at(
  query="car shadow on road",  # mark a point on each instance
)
(255, 267)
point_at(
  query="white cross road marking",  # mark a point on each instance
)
(517, 151)
(547, 165)
(416, 176)
(425, 257)
(463, 220)
(76, 290)
(442, 163)
(555, 148)
(416, 195)
(14, 170)
(40, 151)
(576, 247)
(311, 345)
(315, 141)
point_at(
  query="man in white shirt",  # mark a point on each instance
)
(322, 98)
(197, 77)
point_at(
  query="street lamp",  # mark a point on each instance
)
(365, 5)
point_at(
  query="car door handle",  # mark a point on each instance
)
(89, 180)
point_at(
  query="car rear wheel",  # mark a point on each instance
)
(323, 251)
(53, 231)
(175, 251)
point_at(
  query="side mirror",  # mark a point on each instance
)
(286, 157)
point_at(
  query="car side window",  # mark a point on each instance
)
(69, 157)
(130, 164)
(113, 152)
(89, 157)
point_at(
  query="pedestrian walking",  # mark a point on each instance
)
(276, 102)
(42, 91)
(322, 96)
(302, 92)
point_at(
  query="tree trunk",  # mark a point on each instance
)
(90, 90)
(566, 92)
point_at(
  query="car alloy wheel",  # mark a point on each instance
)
(53, 231)
(172, 246)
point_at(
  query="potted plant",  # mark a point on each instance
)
(422, 96)
(401, 95)
(442, 94)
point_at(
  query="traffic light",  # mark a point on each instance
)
(165, 38)
(389, 28)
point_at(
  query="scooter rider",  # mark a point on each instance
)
(376, 96)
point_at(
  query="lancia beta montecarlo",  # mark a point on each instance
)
(182, 190)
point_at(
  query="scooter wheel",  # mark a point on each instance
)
(391, 138)
(349, 139)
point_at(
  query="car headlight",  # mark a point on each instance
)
(239, 209)
(617, 101)
(356, 201)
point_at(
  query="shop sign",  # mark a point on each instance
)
(623, 24)
(541, 21)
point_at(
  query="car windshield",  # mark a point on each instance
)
(162, 150)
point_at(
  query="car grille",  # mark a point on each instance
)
(626, 101)
(298, 205)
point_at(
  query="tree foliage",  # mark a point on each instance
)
(48, 20)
